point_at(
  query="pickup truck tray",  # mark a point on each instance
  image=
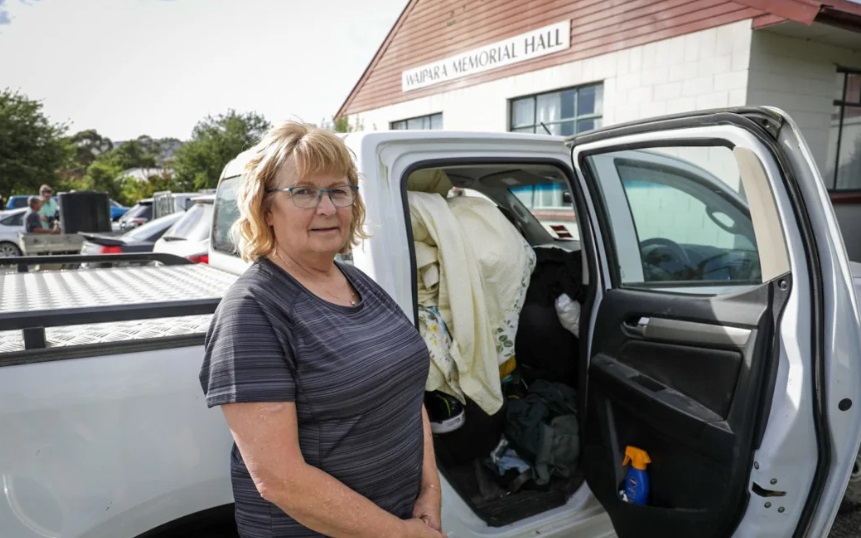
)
(95, 307)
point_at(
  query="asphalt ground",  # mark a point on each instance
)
(848, 523)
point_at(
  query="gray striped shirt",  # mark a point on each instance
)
(357, 375)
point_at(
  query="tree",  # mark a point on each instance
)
(133, 189)
(87, 145)
(32, 148)
(215, 141)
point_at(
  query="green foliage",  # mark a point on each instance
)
(342, 125)
(132, 190)
(104, 171)
(87, 146)
(32, 148)
(134, 154)
(215, 141)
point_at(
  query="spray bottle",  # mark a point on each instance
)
(637, 479)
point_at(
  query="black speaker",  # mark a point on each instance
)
(85, 211)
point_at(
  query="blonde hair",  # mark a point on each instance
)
(305, 150)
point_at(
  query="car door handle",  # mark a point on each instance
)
(636, 327)
(686, 332)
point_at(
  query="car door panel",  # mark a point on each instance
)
(684, 392)
(698, 242)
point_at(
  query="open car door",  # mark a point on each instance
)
(723, 330)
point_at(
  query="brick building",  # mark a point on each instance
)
(566, 66)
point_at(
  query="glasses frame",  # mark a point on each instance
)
(320, 193)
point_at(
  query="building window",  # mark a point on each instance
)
(564, 112)
(431, 121)
(843, 167)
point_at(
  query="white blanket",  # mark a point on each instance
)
(473, 268)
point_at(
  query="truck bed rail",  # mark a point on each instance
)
(24, 263)
(51, 309)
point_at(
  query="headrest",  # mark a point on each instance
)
(429, 180)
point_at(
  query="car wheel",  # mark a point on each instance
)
(9, 250)
(852, 497)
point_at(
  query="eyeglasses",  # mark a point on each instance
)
(310, 197)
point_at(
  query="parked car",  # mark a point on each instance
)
(11, 224)
(139, 214)
(189, 237)
(117, 210)
(139, 239)
(18, 201)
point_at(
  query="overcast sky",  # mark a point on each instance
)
(157, 67)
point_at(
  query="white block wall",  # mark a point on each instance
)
(800, 77)
(707, 69)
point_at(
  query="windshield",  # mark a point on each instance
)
(156, 227)
(194, 224)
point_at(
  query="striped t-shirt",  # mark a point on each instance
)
(356, 373)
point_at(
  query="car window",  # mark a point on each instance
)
(143, 211)
(13, 220)
(678, 218)
(550, 203)
(194, 224)
(153, 229)
(226, 212)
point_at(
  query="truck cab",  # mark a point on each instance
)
(719, 312)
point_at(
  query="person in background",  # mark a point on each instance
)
(318, 372)
(48, 213)
(32, 219)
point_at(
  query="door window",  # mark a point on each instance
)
(679, 218)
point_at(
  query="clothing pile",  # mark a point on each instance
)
(473, 271)
(541, 436)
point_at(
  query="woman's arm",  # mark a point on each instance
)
(428, 506)
(267, 436)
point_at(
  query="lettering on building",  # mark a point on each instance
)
(534, 44)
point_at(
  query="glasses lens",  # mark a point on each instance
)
(343, 196)
(305, 197)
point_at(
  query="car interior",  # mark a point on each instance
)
(464, 455)
(673, 385)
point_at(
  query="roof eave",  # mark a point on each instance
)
(380, 52)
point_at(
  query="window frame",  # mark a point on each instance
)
(574, 119)
(405, 122)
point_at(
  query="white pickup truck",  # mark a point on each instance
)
(719, 331)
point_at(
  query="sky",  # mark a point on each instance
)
(157, 67)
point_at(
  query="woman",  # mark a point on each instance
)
(319, 373)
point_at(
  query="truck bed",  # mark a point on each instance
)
(103, 306)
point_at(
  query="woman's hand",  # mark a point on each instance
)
(429, 506)
(416, 528)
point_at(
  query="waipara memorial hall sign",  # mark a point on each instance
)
(540, 42)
